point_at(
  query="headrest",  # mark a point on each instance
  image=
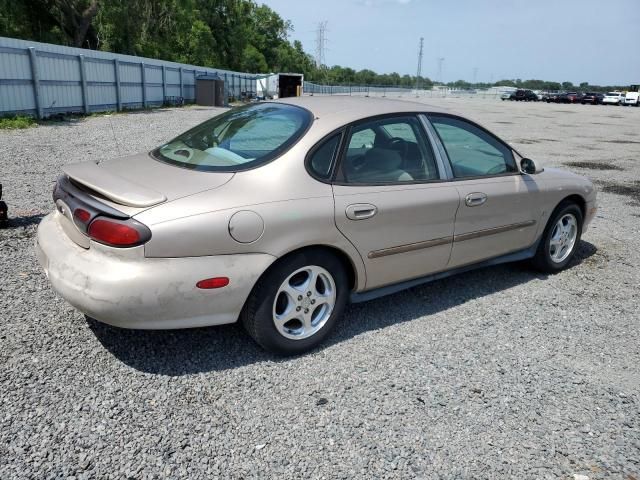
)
(382, 159)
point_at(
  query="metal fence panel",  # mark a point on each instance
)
(42, 79)
(15, 64)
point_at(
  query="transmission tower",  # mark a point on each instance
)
(321, 43)
(419, 73)
(440, 62)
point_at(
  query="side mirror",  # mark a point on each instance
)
(529, 167)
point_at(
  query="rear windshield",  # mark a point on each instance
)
(612, 94)
(239, 139)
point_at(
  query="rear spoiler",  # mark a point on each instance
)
(112, 186)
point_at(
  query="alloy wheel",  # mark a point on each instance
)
(304, 302)
(563, 238)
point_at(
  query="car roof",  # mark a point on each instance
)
(345, 109)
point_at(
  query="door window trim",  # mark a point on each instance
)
(446, 173)
(336, 155)
(453, 178)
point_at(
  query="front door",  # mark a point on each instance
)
(390, 201)
(498, 211)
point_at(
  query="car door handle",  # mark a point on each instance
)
(475, 199)
(361, 211)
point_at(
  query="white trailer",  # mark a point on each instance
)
(280, 85)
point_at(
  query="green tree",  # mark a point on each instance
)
(505, 83)
(253, 60)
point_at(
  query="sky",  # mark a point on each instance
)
(486, 40)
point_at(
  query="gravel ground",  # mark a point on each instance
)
(499, 373)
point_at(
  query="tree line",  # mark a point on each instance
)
(227, 34)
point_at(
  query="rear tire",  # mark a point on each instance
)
(560, 239)
(289, 313)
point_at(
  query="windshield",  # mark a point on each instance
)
(238, 139)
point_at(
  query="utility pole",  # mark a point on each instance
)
(475, 75)
(419, 73)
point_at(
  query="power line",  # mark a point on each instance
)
(419, 73)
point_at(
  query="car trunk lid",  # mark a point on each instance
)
(140, 182)
(122, 188)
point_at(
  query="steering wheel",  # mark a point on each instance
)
(400, 145)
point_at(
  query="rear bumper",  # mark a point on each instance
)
(122, 287)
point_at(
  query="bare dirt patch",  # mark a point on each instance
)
(631, 190)
(594, 165)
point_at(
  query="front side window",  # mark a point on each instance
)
(238, 139)
(390, 150)
(472, 151)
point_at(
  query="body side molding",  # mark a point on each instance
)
(410, 247)
(357, 297)
(492, 231)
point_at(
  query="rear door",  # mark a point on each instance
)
(498, 211)
(391, 202)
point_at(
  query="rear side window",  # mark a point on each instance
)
(321, 159)
(362, 139)
(388, 151)
(239, 139)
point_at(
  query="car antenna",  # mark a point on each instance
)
(115, 138)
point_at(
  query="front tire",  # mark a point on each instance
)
(296, 303)
(560, 239)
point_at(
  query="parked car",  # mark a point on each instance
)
(540, 96)
(571, 97)
(553, 97)
(613, 98)
(525, 95)
(279, 213)
(3, 211)
(506, 96)
(593, 98)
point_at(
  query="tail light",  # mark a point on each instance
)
(118, 233)
(81, 215)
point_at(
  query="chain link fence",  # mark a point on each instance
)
(311, 88)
